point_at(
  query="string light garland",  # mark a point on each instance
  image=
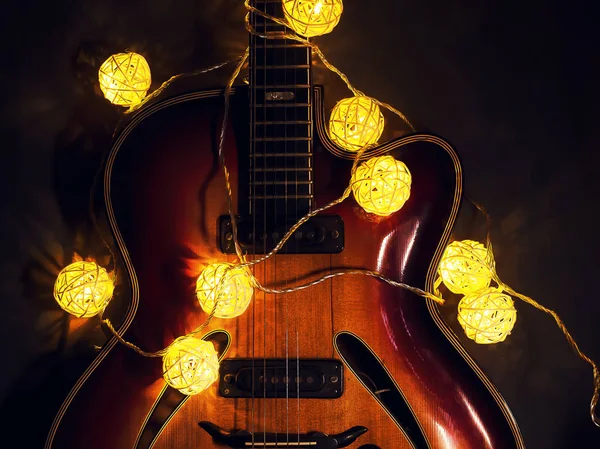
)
(226, 287)
(487, 316)
(355, 122)
(83, 289)
(311, 18)
(190, 365)
(125, 78)
(381, 185)
(466, 266)
(468, 313)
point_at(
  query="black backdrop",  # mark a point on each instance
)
(511, 84)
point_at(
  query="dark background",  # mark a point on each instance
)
(511, 84)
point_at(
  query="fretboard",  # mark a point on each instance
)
(281, 162)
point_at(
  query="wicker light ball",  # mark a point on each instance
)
(466, 266)
(125, 78)
(381, 185)
(312, 17)
(487, 316)
(355, 122)
(191, 365)
(83, 289)
(235, 291)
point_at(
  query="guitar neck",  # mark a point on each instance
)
(281, 120)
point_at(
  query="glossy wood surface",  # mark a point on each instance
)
(167, 192)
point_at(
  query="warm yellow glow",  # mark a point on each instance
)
(381, 185)
(83, 289)
(235, 293)
(466, 266)
(487, 316)
(191, 365)
(312, 17)
(355, 122)
(125, 78)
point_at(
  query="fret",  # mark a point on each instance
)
(286, 45)
(283, 86)
(282, 189)
(282, 105)
(273, 77)
(279, 183)
(283, 122)
(283, 146)
(278, 174)
(280, 139)
(281, 155)
(281, 111)
(279, 197)
(293, 131)
(281, 170)
(284, 66)
(263, 56)
(282, 163)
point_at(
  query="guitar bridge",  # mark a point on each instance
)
(314, 440)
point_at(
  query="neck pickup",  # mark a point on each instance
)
(322, 234)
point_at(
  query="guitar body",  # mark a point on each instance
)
(164, 192)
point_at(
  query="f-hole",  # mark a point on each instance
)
(368, 368)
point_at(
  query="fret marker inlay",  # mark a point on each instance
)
(277, 96)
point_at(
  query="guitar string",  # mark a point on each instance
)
(286, 298)
(419, 292)
(285, 203)
(264, 264)
(254, 214)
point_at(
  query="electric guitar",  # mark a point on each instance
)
(350, 362)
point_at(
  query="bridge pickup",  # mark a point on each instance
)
(323, 234)
(314, 440)
(278, 378)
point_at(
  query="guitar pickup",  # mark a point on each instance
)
(322, 234)
(278, 378)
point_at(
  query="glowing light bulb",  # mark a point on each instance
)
(235, 291)
(318, 7)
(487, 316)
(466, 266)
(125, 78)
(355, 122)
(83, 289)
(311, 18)
(190, 365)
(381, 185)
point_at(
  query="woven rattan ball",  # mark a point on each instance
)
(190, 365)
(312, 17)
(356, 122)
(381, 185)
(466, 266)
(125, 78)
(487, 316)
(235, 293)
(83, 289)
